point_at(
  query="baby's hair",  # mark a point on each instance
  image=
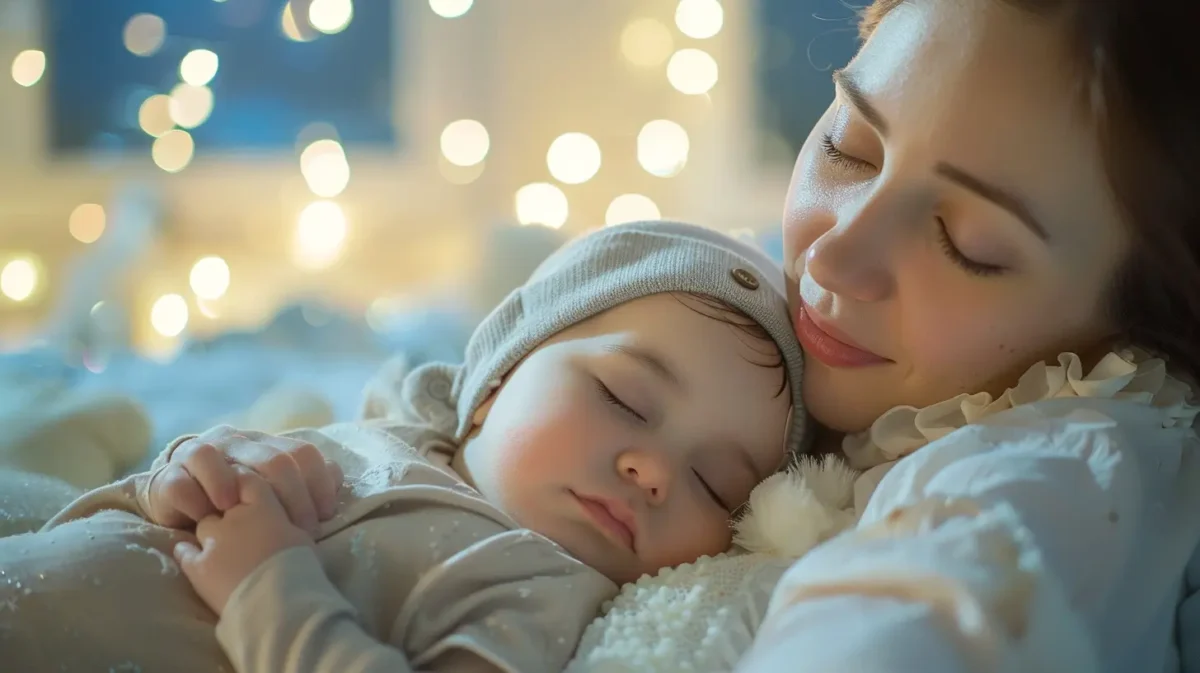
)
(759, 339)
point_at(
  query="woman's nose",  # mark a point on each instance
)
(851, 259)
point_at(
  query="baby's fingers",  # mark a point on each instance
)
(214, 473)
(177, 499)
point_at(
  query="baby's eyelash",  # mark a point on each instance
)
(612, 399)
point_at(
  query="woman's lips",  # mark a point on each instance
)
(826, 343)
(613, 520)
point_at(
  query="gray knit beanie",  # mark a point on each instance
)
(615, 265)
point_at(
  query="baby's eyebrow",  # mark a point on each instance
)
(650, 360)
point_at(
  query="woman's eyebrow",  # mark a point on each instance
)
(846, 81)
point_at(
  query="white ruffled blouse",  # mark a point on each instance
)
(1043, 530)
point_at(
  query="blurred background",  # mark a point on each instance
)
(201, 198)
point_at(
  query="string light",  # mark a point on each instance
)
(190, 105)
(28, 67)
(86, 223)
(631, 208)
(199, 67)
(209, 278)
(19, 278)
(646, 43)
(573, 158)
(144, 34)
(172, 151)
(290, 28)
(324, 167)
(450, 9)
(154, 115)
(169, 315)
(692, 71)
(699, 19)
(465, 142)
(330, 16)
(542, 203)
(320, 235)
(662, 148)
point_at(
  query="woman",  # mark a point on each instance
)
(999, 182)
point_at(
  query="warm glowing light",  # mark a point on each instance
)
(699, 19)
(646, 43)
(631, 208)
(450, 9)
(86, 223)
(330, 16)
(662, 148)
(198, 67)
(320, 235)
(190, 105)
(172, 151)
(169, 315)
(324, 167)
(291, 29)
(573, 158)
(144, 34)
(154, 115)
(465, 142)
(692, 71)
(542, 203)
(209, 278)
(28, 67)
(19, 279)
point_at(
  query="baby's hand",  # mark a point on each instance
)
(200, 480)
(234, 544)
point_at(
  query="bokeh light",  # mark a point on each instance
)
(190, 105)
(28, 67)
(209, 278)
(154, 115)
(330, 16)
(325, 168)
(320, 235)
(573, 158)
(450, 9)
(144, 34)
(542, 203)
(172, 151)
(291, 29)
(699, 19)
(87, 222)
(199, 67)
(662, 148)
(169, 315)
(631, 208)
(465, 142)
(19, 278)
(646, 43)
(692, 71)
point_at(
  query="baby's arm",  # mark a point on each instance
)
(517, 607)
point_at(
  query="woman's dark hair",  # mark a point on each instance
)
(1141, 82)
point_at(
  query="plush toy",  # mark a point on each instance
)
(702, 616)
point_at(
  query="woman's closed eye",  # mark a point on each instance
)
(839, 157)
(611, 398)
(966, 263)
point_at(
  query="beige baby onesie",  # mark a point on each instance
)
(415, 572)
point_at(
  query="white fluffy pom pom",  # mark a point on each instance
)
(794, 511)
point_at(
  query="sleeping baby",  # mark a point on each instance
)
(609, 418)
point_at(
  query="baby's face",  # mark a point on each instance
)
(629, 439)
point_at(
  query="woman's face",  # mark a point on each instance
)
(949, 216)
